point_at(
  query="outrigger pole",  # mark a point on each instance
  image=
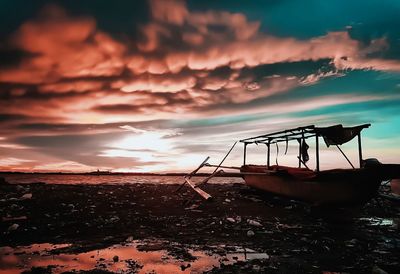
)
(234, 144)
(192, 173)
(216, 171)
(196, 187)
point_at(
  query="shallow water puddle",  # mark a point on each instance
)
(374, 221)
(130, 259)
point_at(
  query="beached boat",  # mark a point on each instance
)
(335, 186)
(339, 186)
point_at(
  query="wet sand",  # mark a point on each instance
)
(292, 237)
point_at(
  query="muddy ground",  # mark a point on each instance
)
(297, 237)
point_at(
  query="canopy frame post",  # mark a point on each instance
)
(299, 153)
(268, 154)
(317, 152)
(360, 150)
(300, 148)
(332, 135)
(244, 153)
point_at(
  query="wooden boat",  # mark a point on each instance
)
(335, 186)
(350, 186)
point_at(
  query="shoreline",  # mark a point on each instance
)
(199, 174)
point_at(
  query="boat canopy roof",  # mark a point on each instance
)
(333, 135)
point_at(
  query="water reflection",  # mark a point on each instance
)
(122, 258)
(375, 221)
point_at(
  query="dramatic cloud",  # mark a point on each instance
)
(74, 76)
(63, 47)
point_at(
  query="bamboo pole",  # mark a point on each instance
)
(214, 173)
(268, 154)
(359, 149)
(299, 157)
(303, 163)
(201, 192)
(345, 156)
(193, 172)
(215, 170)
(209, 177)
(244, 154)
(317, 151)
(228, 167)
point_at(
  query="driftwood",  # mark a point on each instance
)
(201, 192)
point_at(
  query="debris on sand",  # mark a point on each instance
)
(231, 220)
(250, 233)
(129, 239)
(250, 220)
(10, 218)
(13, 227)
(254, 223)
(377, 270)
(26, 196)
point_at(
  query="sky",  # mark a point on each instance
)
(156, 86)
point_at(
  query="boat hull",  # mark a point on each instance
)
(341, 186)
(395, 186)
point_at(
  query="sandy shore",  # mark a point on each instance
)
(296, 237)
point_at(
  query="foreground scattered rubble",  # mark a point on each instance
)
(295, 236)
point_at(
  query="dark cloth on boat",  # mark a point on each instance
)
(304, 151)
(338, 135)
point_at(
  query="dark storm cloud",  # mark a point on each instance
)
(12, 57)
(4, 117)
(123, 108)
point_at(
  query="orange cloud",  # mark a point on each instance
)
(154, 83)
(172, 11)
(240, 44)
(78, 86)
(184, 61)
(63, 47)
